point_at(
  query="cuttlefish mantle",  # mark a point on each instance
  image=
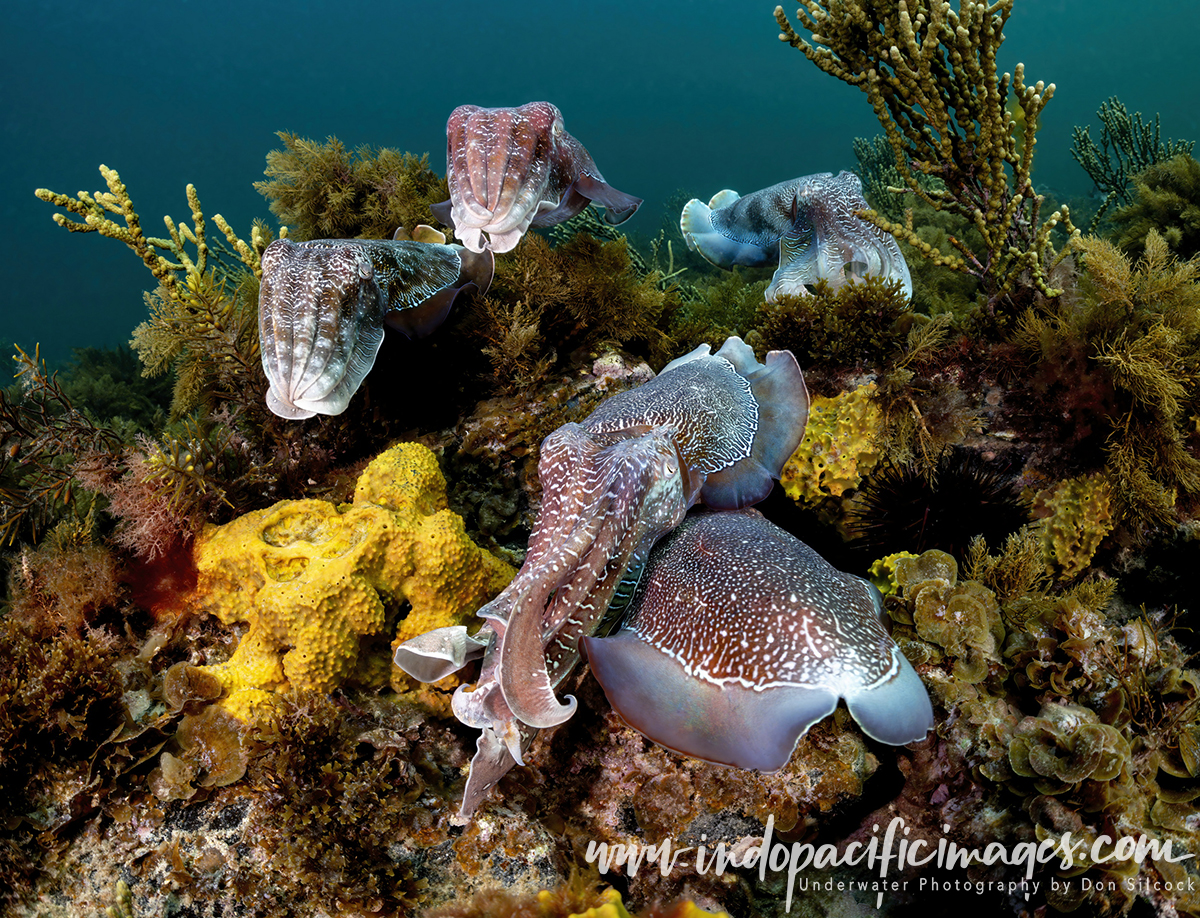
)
(741, 637)
(808, 226)
(715, 428)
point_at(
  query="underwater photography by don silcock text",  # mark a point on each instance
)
(629, 460)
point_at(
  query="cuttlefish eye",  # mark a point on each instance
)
(743, 637)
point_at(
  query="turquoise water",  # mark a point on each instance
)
(693, 96)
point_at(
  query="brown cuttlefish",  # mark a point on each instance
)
(712, 428)
(512, 168)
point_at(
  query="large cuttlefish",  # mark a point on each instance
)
(741, 637)
(323, 306)
(808, 226)
(715, 428)
(512, 168)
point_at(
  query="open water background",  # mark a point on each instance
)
(695, 96)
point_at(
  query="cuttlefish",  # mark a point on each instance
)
(741, 637)
(512, 168)
(715, 428)
(807, 226)
(323, 306)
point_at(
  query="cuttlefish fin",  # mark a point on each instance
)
(782, 398)
(440, 652)
(441, 213)
(618, 205)
(728, 723)
(895, 710)
(475, 272)
(723, 199)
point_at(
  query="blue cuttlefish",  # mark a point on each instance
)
(808, 226)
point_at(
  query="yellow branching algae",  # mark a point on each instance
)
(313, 580)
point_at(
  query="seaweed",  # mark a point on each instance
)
(43, 438)
(108, 384)
(321, 191)
(1134, 333)
(546, 303)
(860, 324)
(1128, 145)
(1168, 202)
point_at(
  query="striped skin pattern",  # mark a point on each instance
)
(711, 427)
(808, 226)
(742, 637)
(323, 306)
(512, 168)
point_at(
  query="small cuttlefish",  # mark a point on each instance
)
(741, 637)
(512, 168)
(808, 226)
(323, 305)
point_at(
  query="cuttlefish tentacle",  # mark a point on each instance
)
(512, 168)
(808, 226)
(743, 637)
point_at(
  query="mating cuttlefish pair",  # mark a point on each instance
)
(324, 304)
(736, 636)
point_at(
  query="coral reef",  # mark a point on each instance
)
(930, 75)
(314, 580)
(319, 191)
(235, 738)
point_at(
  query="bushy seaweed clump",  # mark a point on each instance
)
(859, 325)
(546, 303)
(338, 785)
(108, 383)
(1168, 203)
(321, 191)
(1125, 354)
(714, 308)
